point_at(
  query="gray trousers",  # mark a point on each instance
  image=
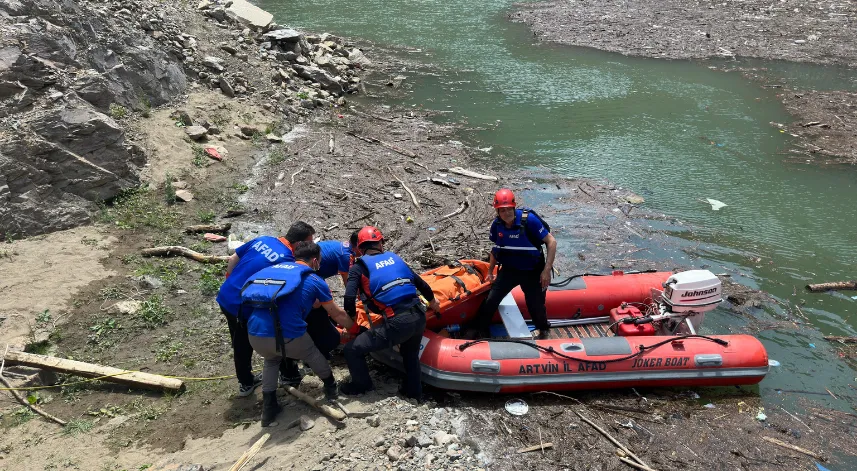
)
(301, 348)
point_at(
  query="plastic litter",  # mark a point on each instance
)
(212, 152)
(773, 363)
(432, 229)
(820, 467)
(710, 406)
(854, 298)
(761, 416)
(715, 205)
(517, 407)
(812, 345)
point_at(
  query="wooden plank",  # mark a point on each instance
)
(104, 373)
(325, 409)
(793, 448)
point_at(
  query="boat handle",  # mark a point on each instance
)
(708, 360)
(485, 366)
(572, 347)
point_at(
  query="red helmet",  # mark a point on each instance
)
(369, 234)
(504, 198)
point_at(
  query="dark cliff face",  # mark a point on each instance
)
(63, 65)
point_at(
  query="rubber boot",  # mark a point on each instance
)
(270, 408)
(330, 389)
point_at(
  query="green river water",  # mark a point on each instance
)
(675, 132)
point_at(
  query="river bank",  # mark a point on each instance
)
(792, 30)
(337, 167)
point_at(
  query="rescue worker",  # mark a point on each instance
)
(518, 235)
(336, 258)
(387, 286)
(248, 259)
(279, 298)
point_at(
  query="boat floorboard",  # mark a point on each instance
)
(580, 331)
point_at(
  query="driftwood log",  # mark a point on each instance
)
(173, 250)
(325, 409)
(472, 174)
(541, 447)
(104, 373)
(461, 208)
(835, 338)
(216, 228)
(835, 285)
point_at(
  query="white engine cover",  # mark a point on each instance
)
(693, 290)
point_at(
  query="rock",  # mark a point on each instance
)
(184, 195)
(126, 308)
(180, 185)
(273, 138)
(213, 130)
(800, 41)
(424, 441)
(454, 454)
(635, 199)
(379, 442)
(213, 63)
(356, 56)
(283, 35)
(411, 423)
(196, 132)
(306, 423)
(228, 48)
(149, 282)
(288, 56)
(412, 441)
(248, 14)
(183, 117)
(442, 438)
(226, 87)
(373, 421)
(248, 130)
(395, 453)
(203, 5)
(319, 76)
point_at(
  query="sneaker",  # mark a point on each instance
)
(293, 381)
(349, 389)
(245, 390)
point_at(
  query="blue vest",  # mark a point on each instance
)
(268, 289)
(255, 255)
(512, 245)
(390, 279)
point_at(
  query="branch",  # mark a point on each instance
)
(208, 228)
(413, 197)
(392, 147)
(461, 208)
(173, 250)
(32, 407)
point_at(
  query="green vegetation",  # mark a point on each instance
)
(211, 278)
(118, 111)
(277, 155)
(206, 217)
(199, 157)
(138, 207)
(167, 271)
(78, 426)
(169, 350)
(101, 330)
(154, 312)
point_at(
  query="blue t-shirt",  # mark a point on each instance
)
(335, 258)
(259, 253)
(292, 309)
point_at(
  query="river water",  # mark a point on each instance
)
(676, 132)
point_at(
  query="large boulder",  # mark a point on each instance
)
(248, 14)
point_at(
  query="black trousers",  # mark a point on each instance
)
(404, 329)
(507, 279)
(242, 352)
(323, 332)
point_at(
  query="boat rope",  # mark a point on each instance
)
(643, 348)
(565, 282)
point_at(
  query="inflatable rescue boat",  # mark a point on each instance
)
(610, 331)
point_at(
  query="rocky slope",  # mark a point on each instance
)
(71, 71)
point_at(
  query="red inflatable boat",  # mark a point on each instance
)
(619, 330)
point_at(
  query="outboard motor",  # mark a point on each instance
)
(687, 296)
